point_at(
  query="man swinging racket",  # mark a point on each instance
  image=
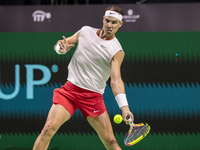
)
(97, 57)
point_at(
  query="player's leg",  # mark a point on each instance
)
(56, 117)
(103, 127)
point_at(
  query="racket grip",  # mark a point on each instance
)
(130, 120)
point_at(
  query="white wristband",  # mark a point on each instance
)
(121, 100)
(58, 49)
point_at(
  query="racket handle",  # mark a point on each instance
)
(130, 120)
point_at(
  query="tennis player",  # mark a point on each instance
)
(97, 57)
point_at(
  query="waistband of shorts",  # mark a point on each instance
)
(79, 89)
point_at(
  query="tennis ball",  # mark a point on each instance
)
(118, 119)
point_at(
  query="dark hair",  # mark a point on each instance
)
(116, 9)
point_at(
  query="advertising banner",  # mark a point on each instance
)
(152, 17)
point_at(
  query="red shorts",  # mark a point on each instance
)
(72, 98)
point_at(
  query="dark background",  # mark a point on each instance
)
(83, 2)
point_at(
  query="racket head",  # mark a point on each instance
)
(136, 133)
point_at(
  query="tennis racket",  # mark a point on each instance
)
(136, 132)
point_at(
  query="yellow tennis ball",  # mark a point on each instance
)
(118, 119)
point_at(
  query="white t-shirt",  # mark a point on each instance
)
(89, 67)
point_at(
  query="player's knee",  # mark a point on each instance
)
(110, 141)
(113, 142)
(48, 131)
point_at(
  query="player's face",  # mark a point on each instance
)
(111, 25)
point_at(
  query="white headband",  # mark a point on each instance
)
(113, 14)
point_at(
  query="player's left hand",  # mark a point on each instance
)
(65, 46)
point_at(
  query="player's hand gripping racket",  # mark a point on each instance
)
(136, 132)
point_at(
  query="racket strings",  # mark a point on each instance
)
(136, 133)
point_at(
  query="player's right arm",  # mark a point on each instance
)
(67, 43)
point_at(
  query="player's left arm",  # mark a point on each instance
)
(117, 83)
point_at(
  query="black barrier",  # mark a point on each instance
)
(154, 17)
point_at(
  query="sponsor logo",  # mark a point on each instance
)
(130, 17)
(111, 13)
(95, 111)
(30, 81)
(103, 46)
(39, 15)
